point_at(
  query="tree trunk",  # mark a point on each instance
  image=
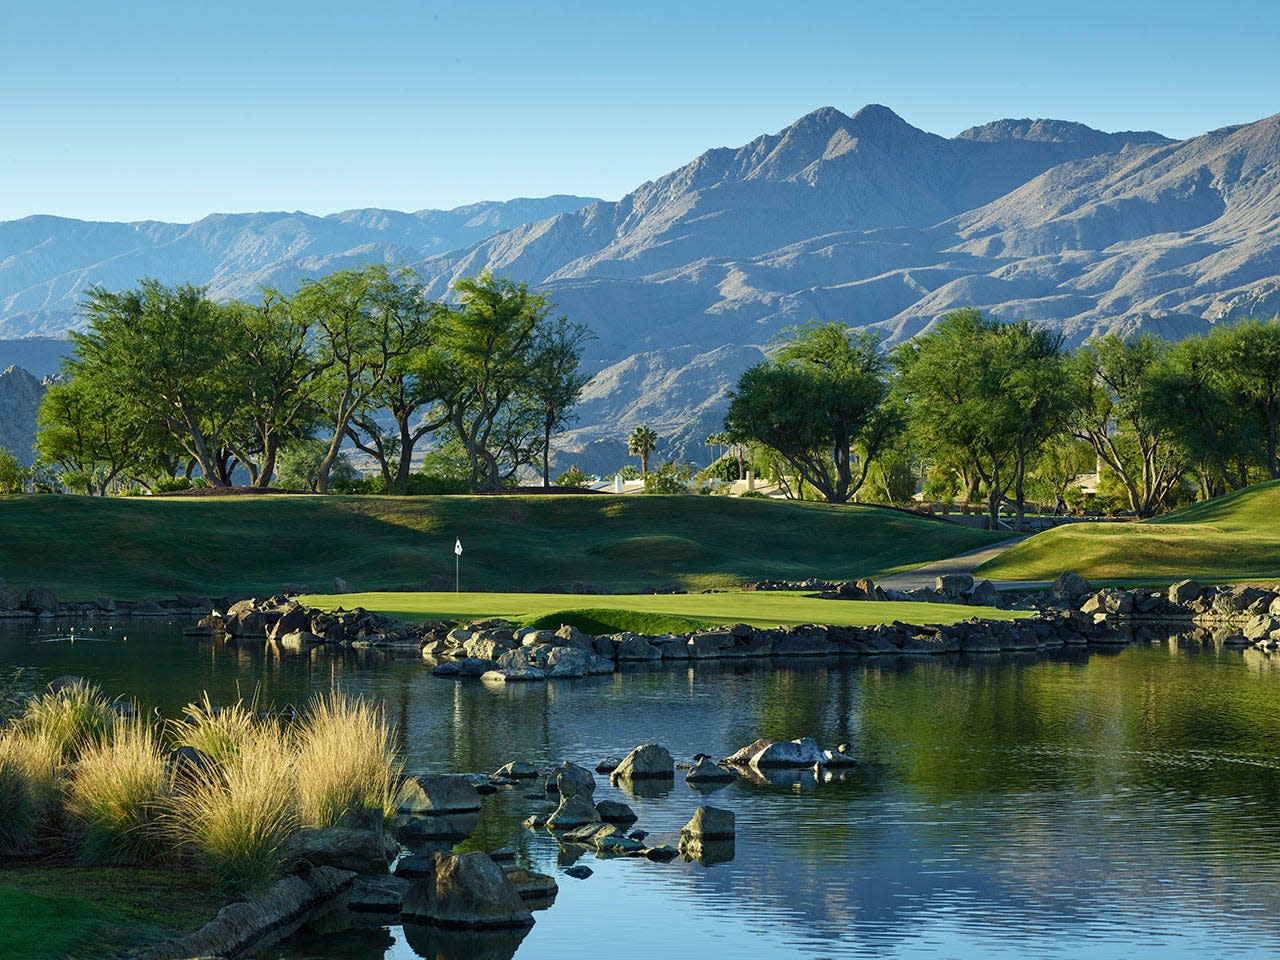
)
(993, 497)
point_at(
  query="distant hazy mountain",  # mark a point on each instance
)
(20, 396)
(863, 219)
(46, 262)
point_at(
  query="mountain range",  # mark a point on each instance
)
(860, 218)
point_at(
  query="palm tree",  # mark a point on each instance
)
(640, 444)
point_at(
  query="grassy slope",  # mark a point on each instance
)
(48, 913)
(128, 548)
(691, 610)
(1235, 537)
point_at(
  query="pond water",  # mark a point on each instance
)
(1084, 805)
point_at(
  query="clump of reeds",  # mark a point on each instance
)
(30, 765)
(237, 817)
(118, 793)
(74, 718)
(346, 760)
(218, 732)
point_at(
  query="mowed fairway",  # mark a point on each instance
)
(1234, 537)
(653, 613)
(127, 548)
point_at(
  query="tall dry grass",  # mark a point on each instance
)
(218, 732)
(74, 718)
(30, 786)
(347, 760)
(237, 817)
(118, 794)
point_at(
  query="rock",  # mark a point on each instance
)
(575, 810)
(618, 845)
(534, 887)
(569, 779)
(342, 586)
(615, 811)
(569, 662)
(709, 823)
(413, 865)
(105, 604)
(298, 641)
(513, 675)
(347, 848)
(468, 890)
(706, 646)
(587, 834)
(1261, 628)
(516, 770)
(433, 795)
(983, 594)
(661, 854)
(378, 895)
(1185, 592)
(838, 758)
(578, 873)
(41, 600)
(812, 642)
(804, 752)
(648, 760)
(635, 648)
(708, 771)
(190, 762)
(608, 765)
(293, 618)
(1069, 587)
(743, 756)
(467, 667)
(707, 853)
(954, 585)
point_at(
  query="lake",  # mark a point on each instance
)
(1078, 805)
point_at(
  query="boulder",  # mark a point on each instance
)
(839, 758)
(569, 662)
(293, 618)
(812, 642)
(574, 811)
(342, 586)
(707, 770)
(378, 895)
(468, 890)
(618, 845)
(516, 770)
(347, 848)
(533, 887)
(648, 760)
(1069, 587)
(588, 834)
(41, 600)
(608, 764)
(705, 646)
(1261, 628)
(569, 779)
(709, 823)
(1185, 592)
(804, 752)
(983, 594)
(633, 648)
(297, 641)
(954, 585)
(615, 811)
(11, 597)
(436, 828)
(467, 667)
(513, 675)
(433, 795)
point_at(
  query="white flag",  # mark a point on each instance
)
(457, 547)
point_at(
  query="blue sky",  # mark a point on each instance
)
(170, 110)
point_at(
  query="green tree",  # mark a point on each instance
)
(641, 443)
(13, 475)
(1121, 417)
(1251, 355)
(820, 402)
(555, 380)
(359, 318)
(488, 345)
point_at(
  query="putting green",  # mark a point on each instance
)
(759, 609)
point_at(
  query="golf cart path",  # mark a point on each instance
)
(960, 563)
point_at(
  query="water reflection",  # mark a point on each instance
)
(1083, 804)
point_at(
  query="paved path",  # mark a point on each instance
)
(961, 563)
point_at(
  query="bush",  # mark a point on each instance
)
(237, 818)
(219, 733)
(727, 469)
(29, 787)
(172, 485)
(118, 794)
(669, 478)
(75, 718)
(346, 760)
(573, 477)
(417, 484)
(629, 472)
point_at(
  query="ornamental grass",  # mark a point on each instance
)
(118, 793)
(30, 787)
(218, 732)
(346, 760)
(74, 718)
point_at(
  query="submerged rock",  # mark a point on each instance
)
(574, 811)
(707, 770)
(569, 779)
(648, 760)
(346, 848)
(709, 823)
(436, 794)
(468, 890)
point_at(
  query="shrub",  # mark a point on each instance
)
(117, 795)
(346, 760)
(237, 818)
(573, 477)
(29, 786)
(219, 732)
(669, 478)
(75, 718)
